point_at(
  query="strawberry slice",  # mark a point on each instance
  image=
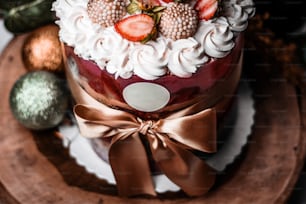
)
(206, 8)
(202, 3)
(135, 28)
(167, 1)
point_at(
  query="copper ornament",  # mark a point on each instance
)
(42, 50)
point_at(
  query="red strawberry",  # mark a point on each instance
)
(206, 8)
(135, 28)
(167, 1)
(202, 3)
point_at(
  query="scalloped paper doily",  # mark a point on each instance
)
(236, 138)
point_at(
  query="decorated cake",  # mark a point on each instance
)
(152, 82)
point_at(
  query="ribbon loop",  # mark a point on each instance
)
(197, 131)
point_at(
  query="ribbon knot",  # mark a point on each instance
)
(170, 141)
(145, 126)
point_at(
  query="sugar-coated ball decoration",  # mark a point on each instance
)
(106, 12)
(178, 21)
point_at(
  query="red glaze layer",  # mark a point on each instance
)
(181, 89)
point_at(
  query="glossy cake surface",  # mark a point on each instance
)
(214, 80)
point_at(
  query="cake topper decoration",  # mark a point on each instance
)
(123, 58)
(106, 12)
(141, 25)
(175, 20)
(206, 8)
(137, 28)
(178, 21)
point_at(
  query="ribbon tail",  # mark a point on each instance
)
(130, 166)
(185, 169)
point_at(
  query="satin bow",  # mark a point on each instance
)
(170, 140)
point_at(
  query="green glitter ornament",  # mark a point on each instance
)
(39, 100)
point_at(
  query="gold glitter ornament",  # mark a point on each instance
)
(42, 50)
(39, 100)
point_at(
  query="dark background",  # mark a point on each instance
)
(286, 16)
(287, 20)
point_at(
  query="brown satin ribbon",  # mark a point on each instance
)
(170, 142)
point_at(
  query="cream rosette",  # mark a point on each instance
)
(149, 60)
(186, 56)
(217, 39)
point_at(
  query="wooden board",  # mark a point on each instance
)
(36, 169)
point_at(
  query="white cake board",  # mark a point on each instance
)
(81, 149)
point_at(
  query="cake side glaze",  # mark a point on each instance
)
(217, 80)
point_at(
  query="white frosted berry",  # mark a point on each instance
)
(106, 12)
(178, 21)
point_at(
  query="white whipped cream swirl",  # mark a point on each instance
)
(150, 60)
(123, 58)
(185, 57)
(247, 5)
(104, 49)
(237, 18)
(216, 38)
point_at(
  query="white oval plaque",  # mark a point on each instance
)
(146, 97)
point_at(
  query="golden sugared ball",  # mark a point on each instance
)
(178, 21)
(106, 12)
(42, 50)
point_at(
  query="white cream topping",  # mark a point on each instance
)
(109, 50)
(149, 60)
(247, 5)
(237, 18)
(123, 58)
(185, 57)
(216, 37)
